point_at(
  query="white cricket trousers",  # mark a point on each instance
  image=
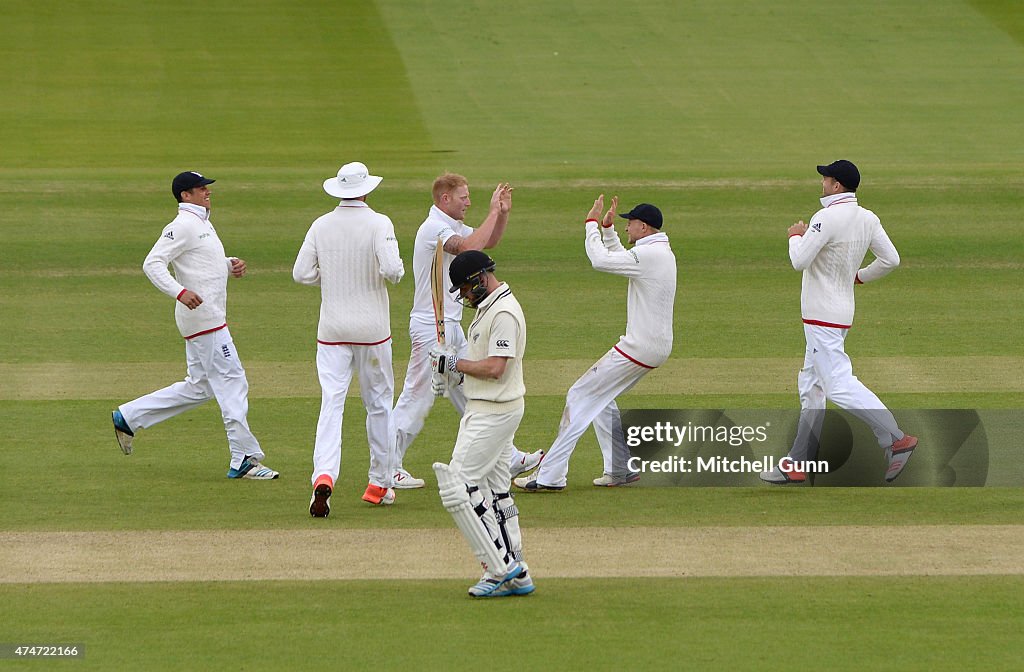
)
(827, 374)
(416, 399)
(483, 449)
(214, 371)
(591, 400)
(335, 365)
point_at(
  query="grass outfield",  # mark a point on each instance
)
(738, 624)
(715, 111)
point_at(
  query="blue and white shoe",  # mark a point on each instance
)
(521, 585)
(122, 432)
(251, 468)
(487, 585)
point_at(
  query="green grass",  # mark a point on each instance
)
(78, 480)
(715, 111)
(917, 623)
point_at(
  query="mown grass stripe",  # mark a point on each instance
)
(58, 380)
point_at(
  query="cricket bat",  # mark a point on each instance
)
(437, 290)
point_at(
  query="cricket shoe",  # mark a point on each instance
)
(379, 496)
(898, 454)
(528, 462)
(521, 585)
(320, 501)
(781, 475)
(530, 484)
(122, 432)
(251, 468)
(609, 481)
(488, 585)
(406, 481)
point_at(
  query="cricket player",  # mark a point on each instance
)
(829, 252)
(349, 253)
(474, 486)
(444, 223)
(650, 266)
(200, 286)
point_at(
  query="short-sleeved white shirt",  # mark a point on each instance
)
(437, 226)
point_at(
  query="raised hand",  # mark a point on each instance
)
(505, 198)
(609, 217)
(595, 212)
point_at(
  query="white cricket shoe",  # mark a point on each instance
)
(610, 481)
(489, 584)
(531, 484)
(528, 462)
(406, 481)
(251, 468)
(521, 585)
(778, 476)
(898, 455)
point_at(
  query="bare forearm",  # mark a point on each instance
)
(491, 368)
(482, 236)
(499, 230)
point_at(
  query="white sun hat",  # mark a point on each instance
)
(353, 180)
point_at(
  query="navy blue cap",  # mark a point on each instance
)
(190, 179)
(843, 172)
(646, 213)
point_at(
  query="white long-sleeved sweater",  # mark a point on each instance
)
(831, 252)
(349, 253)
(190, 244)
(651, 268)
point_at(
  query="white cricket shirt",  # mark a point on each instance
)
(349, 253)
(190, 245)
(829, 255)
(651, 268)
(437, 226)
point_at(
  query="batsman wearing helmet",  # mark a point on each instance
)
(474, 486)
(435, 319)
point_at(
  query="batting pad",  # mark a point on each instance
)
(507, 514)
(469, 516)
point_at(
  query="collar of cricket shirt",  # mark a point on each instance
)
(352, 203)
(197, 210)
(438, 213)
(836, 199)
(501, 291)
(660, 237)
